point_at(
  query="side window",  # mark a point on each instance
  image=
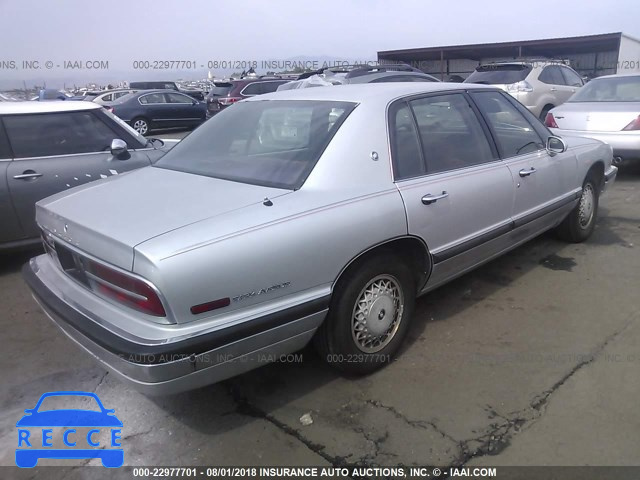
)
(405, 149)
(152, 98)
(450, 133)
(571, 77)
(252, 89)
(514, 134)
(269, 87)
(551, 75)
(177, 98)
(5, 150)
(107, 98)
(57, 134)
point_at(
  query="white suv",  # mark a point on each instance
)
(540, 85)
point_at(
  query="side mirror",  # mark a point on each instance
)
(119, 149)
(555, 145)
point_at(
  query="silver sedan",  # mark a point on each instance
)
(316, 213)
(608, 109)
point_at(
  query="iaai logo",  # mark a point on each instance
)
(69, 433)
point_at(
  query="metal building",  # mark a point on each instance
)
(590, 55)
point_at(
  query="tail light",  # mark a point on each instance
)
(634, 125)
(225, 101)
(123, 288)
(549, 121)
(110, 109)
(522, 86)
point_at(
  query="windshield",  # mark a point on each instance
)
(272, 143)
(613, 89)
(499, 74)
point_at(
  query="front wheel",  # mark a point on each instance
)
(369, 316)
(581, 221)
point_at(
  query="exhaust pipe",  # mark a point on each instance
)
(617, 161)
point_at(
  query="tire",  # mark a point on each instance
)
(579, 224)
(342, 341)
(141, 125)
(544, 112)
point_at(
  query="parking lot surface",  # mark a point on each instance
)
(532, 359)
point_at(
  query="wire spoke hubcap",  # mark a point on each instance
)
(377, 314)
(587, 204)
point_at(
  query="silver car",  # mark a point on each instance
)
(539, 85)
(48, 147)
(607, 108)
(312, 213)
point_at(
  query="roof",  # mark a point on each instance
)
(544, 47)
(383, 92)
(50, 106)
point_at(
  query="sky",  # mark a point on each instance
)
(122, 32)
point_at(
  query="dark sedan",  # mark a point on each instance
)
(158, 109)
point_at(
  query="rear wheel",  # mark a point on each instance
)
(545, 110)
(579, 224)
(369, 315)
(141, 125)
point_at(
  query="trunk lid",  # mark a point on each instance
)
(596, 116)
(108, 221)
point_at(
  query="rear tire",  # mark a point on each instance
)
(579, 224)
(141, 125)
(369, 315)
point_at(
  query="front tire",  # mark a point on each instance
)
(581, 221)
(369, 316)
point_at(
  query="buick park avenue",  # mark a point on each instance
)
(313, 214)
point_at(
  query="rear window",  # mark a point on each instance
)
(220, 89)
(614, 89)
(272, 143)
(499, 74)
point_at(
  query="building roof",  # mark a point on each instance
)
(548, 47)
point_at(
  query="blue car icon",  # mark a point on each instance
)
(28, 455)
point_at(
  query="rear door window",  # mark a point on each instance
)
(152, 98)
(552, 75)
(514, 134)
(450, 133)
(53, 134)
(252, 89)
(571, 77)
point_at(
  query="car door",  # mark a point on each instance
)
(184, 109)
(560, 89)
(11, 229)
(456, 191)
(156, 109)
(57, 151)
(541, 180)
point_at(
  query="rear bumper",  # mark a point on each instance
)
(626, 145)
(164, 368)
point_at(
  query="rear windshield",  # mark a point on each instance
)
(271, 143)
(499, 74)
(220, 89)
(615, 89)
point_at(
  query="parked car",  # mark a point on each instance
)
(314, 212)
(354, 74)
(48, 94)
(540, 85)
(194, 93)
(226, 93)
(48, 147)
(104, 98)
(607, 108)
(149, 110)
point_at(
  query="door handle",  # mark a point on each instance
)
(526, 173)
(428, 199)
(27, 175)
(553, 89)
